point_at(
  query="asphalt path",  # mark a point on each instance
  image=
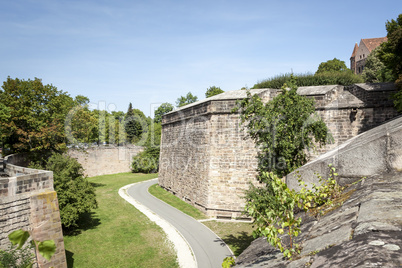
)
(208, 248)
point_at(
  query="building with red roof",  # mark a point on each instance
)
(360, 53)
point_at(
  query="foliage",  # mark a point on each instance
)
(23, 256)
(282, 129)
(146, 161)
(164, 108)
(81, 125)
(4, 117)
(334, 65)
(273, 207)
(304, 80)
(189, 98)
(228, 262)
(374, 70)
(212, 91)
(75, 194)
(390, 54)
(132, 125)
(37, 114)
(391, 51)
(176, 202)
(154, 135)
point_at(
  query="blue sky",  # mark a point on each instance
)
(150, 52)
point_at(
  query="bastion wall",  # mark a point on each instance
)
(208, 159)
(29, 202)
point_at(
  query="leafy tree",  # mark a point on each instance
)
(81, 125)
(282, 129)
(146, 161)
(135, 124)
(391, 51)
(334, 65)
(374, 70)
(189, 98)
(75, 194)
(163, 109)
(37, 114)
(212, 91)
(4, 117)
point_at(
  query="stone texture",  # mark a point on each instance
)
(208, 160)
(102, 160)
(364, 232)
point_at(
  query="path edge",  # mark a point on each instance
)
(185, 254)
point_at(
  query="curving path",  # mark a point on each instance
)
(208, 248)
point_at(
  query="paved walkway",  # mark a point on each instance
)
(208, 248)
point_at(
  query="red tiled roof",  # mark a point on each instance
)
(355, 50)
(372, 43)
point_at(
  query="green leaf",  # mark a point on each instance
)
(18, 237)
(47, 249)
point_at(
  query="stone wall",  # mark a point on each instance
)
(102, 160)
(28, 201)
(208, 160)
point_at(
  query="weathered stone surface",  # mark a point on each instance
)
(29, 202)
(364, 232)
(102, 160)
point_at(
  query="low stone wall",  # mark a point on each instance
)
(28, 201)
(102, 160)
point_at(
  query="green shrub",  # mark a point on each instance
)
(303, 80)
(75, 194)
(146, 161)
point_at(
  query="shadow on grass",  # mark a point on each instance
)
(96, 185)
(70, 259)
(240, 241)
(86, 222)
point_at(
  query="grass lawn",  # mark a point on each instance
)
(176, 202)
(117, 234)
(237, 235)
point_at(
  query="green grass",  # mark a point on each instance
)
(117, 234)
(237, 235)
(176, 202)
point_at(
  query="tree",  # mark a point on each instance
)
(131, 127)
(4, 117)
(161, 110)
(375, 70)
(391, 51)
(75, 194)
(282, 129)
(212, 91)
(37, 114)
(189, 98)
(334, 65)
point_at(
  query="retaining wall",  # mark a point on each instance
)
(102, 160)
(29, 202)
(208, 160)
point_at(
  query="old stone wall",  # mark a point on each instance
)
(28, 201)
(208, 160)
(102, 160)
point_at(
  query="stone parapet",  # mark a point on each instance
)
(29, 202)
